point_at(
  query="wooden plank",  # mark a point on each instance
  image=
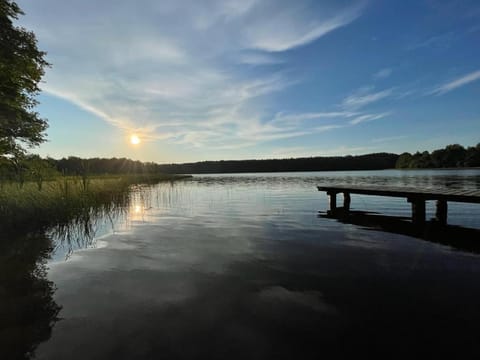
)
(471, 192)
(456, 195)
(333, 201)
(346, 201)
(418, 211)
(340, 188)
(441, 211)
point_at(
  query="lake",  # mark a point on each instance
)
(246, 266)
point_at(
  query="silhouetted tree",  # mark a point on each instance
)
(454, 155)
(360, 162)
(421, 160)
(38, 169)
(437, 157)
(404, 161)
(472, 156)
(21, 69)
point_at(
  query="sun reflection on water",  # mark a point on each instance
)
(137, 212)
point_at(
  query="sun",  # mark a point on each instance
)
(134, 139)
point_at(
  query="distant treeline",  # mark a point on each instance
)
(33, 167)
(99, 166)
(376, 161)
(451, 156)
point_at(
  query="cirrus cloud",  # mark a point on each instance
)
(141, 69)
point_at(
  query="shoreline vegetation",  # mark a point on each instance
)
(452, 156)
(61, 200)
(37, 193)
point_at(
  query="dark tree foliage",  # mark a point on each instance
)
(472, 157)
(97, 166)
(362, 162)
(404, 161)
(34, 168)
(454, 155)
(28, 168)
(21, 69)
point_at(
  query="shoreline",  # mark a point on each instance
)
(346, 170)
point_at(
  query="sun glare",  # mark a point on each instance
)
(134, 140)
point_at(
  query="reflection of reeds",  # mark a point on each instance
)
(65, 200)
(28, 310)
(80, 232)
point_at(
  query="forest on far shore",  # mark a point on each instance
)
(449, 157)
(30, 167)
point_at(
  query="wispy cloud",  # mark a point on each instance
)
(442, 41)
(295, 118)
(369, 117)
(365, 96)
(259, 59)
(281, 31)
(191, 81)
(389, 138)
(456, 83)
(324, 128)
(343, 118)
(473, 29)
(383, 73)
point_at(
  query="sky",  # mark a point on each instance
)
(241, 79)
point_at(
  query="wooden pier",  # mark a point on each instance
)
(417, 197)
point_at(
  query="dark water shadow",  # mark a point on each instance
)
(457, 237)
(27, 308)
(28, 311)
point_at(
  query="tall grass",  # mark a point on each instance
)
(27, 207)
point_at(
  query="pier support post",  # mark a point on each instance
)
(418, 211)
(441, 213)
(346, 201)
(333, 201)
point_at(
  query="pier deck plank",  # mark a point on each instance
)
(455, 195)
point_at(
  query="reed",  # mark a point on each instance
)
(28, 207)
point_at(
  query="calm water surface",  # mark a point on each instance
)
(242, 266)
